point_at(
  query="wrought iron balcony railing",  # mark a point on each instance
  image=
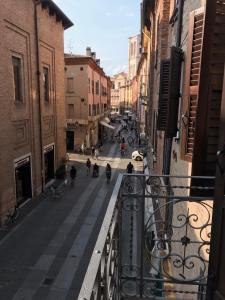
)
(154, 241)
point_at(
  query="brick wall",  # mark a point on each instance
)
(20, 123)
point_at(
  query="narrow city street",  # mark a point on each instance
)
(46, 254)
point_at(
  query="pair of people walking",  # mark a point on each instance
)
(95, 168)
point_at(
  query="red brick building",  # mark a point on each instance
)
(32, 98)
(87, 100)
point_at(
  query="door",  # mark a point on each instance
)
(70, 140)
(23, 183)
(49, 165)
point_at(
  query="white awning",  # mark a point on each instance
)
(106, 125)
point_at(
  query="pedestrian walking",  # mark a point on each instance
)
(130, 168)
(122, 149)
(83, 148)
(73, 174)
(88, 165)
(92, 151)
(108, 172)
(100, 145)
(95, 170)
(96, 153)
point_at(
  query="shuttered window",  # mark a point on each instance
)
(17, 78)
(176, 59)
(193, 65)
(70, 85)
(163, 94)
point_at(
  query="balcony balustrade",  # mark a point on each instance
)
(154, 242)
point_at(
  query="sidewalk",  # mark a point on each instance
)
(46, 254)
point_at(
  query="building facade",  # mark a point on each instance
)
(134, 54)
(118, 92)
(32, 98)
(87, 100)
(140, 95)
(186, 53)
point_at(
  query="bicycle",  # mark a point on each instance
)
(53, 191)
(11, 217)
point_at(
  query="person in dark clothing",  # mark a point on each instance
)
(130, 168)
(95, 170)
(92, 151)
(88, 165)
(73, 173)
(108, 172)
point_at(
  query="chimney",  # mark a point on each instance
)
(93, 54)
(98, 62)
(88, 51)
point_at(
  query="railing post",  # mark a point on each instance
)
(142, 237)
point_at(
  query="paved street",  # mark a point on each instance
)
(45, 256)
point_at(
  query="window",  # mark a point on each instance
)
(17, 78)
(46, 83)
(81, 68)
(163, 94)
(134, 49)
(70, 111)
(93, 86)
(94, 109)
(176, 58)
(154, 133)
(89, 85)
(89, 109)
(157, 44)
(97, 87)
(70, 85)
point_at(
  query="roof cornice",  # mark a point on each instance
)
(53, 8)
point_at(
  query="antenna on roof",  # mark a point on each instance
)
(70, 47)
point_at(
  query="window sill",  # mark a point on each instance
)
(19, 103)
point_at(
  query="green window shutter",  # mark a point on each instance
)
(163, 94)
(174, 91)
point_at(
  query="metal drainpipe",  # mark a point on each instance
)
(180, 23)
(39, 90)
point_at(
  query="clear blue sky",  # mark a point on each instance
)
(103, 25)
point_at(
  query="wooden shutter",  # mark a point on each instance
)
(163, 94)
(174, 91)
(193, 66)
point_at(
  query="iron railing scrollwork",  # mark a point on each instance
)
(140, 253)
(176, 252)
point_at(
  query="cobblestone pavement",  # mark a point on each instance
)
(45, 256)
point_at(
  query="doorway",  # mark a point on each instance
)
(49, 164)
(23, 180)
(70, 140)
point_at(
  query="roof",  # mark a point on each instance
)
(68, 55)
(59, 14)
(124, 74)
(77, 59)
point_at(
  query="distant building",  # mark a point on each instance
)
(87, 99)
(32, 103)
(134, 55)
(120, 93)
(141, 92)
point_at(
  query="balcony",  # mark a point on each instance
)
(154, 242)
